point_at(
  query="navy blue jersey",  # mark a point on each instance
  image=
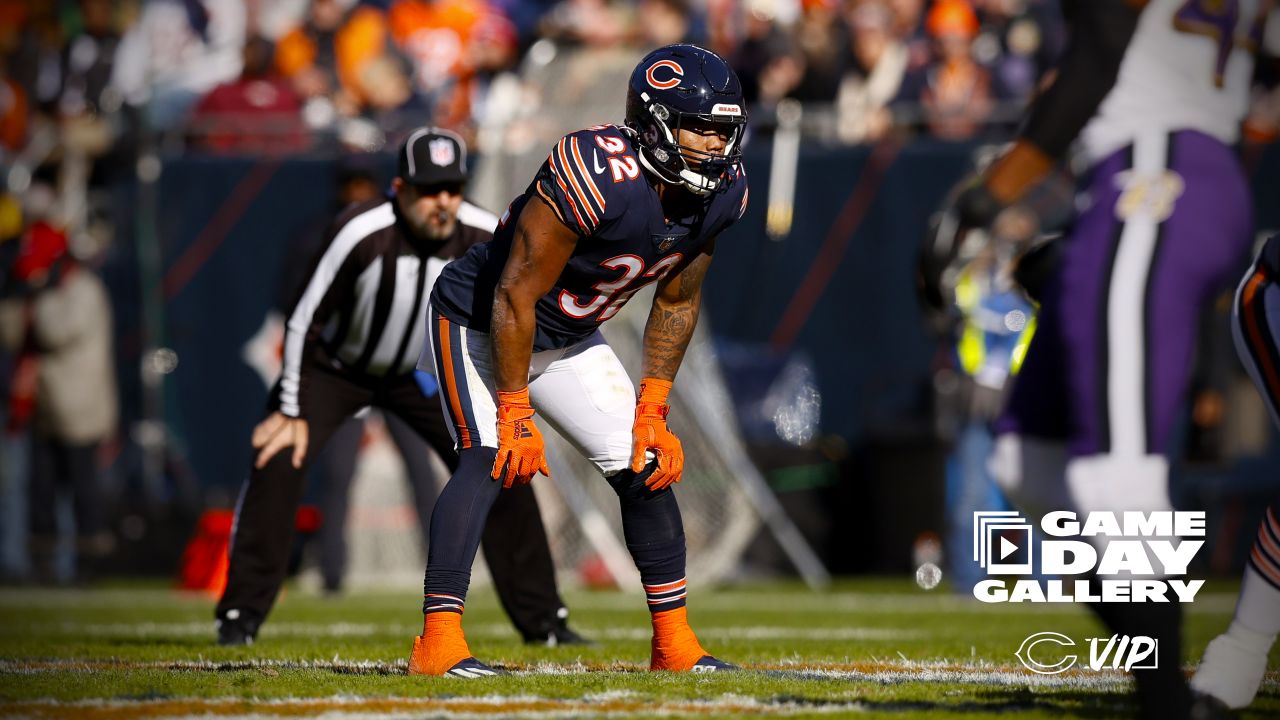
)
(594, 183)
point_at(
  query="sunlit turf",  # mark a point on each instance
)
(863, 646)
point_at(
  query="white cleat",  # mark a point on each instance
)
(1231, 671)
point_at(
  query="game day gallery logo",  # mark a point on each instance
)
(1145, 558)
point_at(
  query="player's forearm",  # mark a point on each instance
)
(667, 335)
(512, 330)
(1100, 34)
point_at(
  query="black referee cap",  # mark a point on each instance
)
(432, 155)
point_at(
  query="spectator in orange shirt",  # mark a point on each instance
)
(325, 56)
(437, 36)
(952, 97)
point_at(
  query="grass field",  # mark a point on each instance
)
(864, 647)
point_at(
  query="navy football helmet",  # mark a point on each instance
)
(677, 86)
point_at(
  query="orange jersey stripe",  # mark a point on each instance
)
(551, 203)
(1256, 337)
(567, 172)
(582, 197)
(451, 384)
(568, 195)
(588, 180)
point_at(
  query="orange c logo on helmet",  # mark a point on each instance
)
(674, 80)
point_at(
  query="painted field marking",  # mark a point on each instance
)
(879, 671)
(348, 708)
(477, 630)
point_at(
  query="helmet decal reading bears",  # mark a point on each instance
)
(677, 72)
(686, 88)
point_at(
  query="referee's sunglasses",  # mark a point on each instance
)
(435, 188)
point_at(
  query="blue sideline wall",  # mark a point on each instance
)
(231, 228)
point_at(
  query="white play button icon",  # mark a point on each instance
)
(1007, 548)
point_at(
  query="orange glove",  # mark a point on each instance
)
(650, 432)
(519, 442)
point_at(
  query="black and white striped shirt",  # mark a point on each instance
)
(363, 307)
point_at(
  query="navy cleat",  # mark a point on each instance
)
(472, 668)
(707, 664)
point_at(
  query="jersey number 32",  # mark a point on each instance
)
(613, 294)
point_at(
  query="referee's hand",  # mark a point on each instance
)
(276, 433)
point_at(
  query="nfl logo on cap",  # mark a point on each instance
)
(443, 151)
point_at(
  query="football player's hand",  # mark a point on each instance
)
(650, 433)
(969, 206)
(520, 448)
(276, 433)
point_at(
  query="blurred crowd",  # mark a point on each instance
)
(280, 76)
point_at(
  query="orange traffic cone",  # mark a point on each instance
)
(204, 562)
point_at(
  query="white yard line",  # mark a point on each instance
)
(474, 630)
(206, 628)
(879, 671)
(616, 703)
(350, 708)
(798, 602)
(913, 603)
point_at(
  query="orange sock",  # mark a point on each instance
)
(675, 647)
(440, 646)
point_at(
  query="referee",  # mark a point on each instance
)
(352, 341)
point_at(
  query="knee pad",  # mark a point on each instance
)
(1031, 473)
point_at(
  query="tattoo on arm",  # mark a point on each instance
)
(666, 337)
(672, 319)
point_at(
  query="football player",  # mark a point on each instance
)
(1155, 91)
(515, 330)
(1236, 660)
